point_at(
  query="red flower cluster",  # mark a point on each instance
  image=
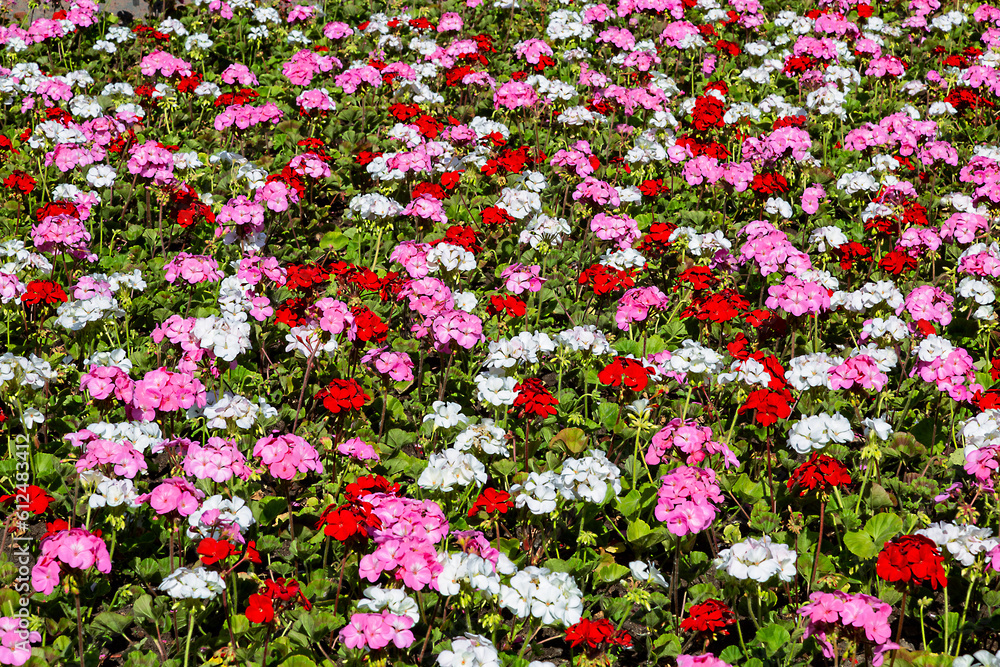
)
(349, 521)
(494, 215)
(769, 406)
(699, 277)
(604, 279)
(534, 399)
(849, 253)
(657, 241)
(211, 551)
(766, 185)
(631, 373)
(898, 262)
(464, 237)
(35, 499)
(283, 593)
(719, 307)
(911, 559)
(20, 181)
(343, 396)
(492, 501)
(595, 633)
(707, 113)
(370, 326)
(39, 291)
(509, 304)
(302, 277)
(709, 616)
(512, 160)
(821, 472)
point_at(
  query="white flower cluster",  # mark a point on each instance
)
(486, 436)
(227, 336)
(623, 260)
(114, 492)
(748, 371)
(539, 492)
(470, 651)
(478, 572)
(982, 292)
(978, 659)
(193, 584)
(648, 572)
(28, 371)
(586, 337)
(694, 358)
(447, 257)
(983, 430)
(544, 229)
(20, 258)
(964, 543)
(701, 244)
(75, 315)
(233, 409)
(757, 559)
(308, 341)
(449, 468)
(394, 599)
(495, 387)
(818, 431)
(552, 597)
(869, 296)
(589, 478)
(524, 348)
(446, 415)
(143, 436)
(225, 515)
(891, 326)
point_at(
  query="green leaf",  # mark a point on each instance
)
(883, 527)
(143, 608)
(748, 489)
(298, 661)
(109, 622)
(629, 504)
(773, 637)
(608, 415)
(333, 239)
(637, 530)
(504, 468)
(573, 439)
(608, 572)
(861, 544)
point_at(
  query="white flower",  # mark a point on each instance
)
(393, 599)
(193, 584)
(539, 492)
(647, 572)
(757, 559)
(232, 515)
(964, 543)
(452, 467)
(470, 651)
(113, 492)
(446, 415)
(32, 417)
(489, 438)
(589, 478)
(818, 431)
(881, 428)
(495, 388)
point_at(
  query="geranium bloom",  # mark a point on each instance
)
(285, 455)
(343, 395)
(911, 559)
(709, 616)
(534, 399)
(820, 472)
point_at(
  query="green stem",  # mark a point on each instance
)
(187, 646)
(965, 608)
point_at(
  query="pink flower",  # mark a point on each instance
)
(521, 278)
(103, 381)
(358, 449)
(174, 494)
(286, 455)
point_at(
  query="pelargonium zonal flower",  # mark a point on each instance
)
(912, 559)
(758, 559)
(820, 473)
(285, 455)
(343, 396)
(709, 616)
(73, 549)
(687, 498)
(859, 617)
(174, 494)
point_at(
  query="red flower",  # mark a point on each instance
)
(770, 406)
(404, 112)
(351, 520)
(43, 290)
(429, 189)
(709, 616)
(820, 472)
(707, 113)
(343, 395)
(699, 277)
(849, 252)
(211, 551)
(494, 215)
(720, 307)
(631, 373)
(605, 279)
(450, 179)
(652, 188)
(911, 559)
(491, 501)
(594, 633)
(535, 399)
(35, 499)
(864, 11)
(370, 326)
(897, 262)
(53, 527)
(510, 304)
(20, 181)
(260, 609)
(362, 486)
(769, 184)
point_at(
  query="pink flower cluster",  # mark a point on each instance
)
(464, 328)
(520, 278)
(964, 227)
(597, 192)
(62, 234)
(953, 372)
(406, 541)
(123, 459)
(350, 80)
(798, 297)
(16, 640)
(152, 160)
(704, 660)
(74, 549)
(192, 268)
(686, 499)
(634, 305)
(358, 449)
(927, 302)
(276, 195)
(375, 631)
(173, 494)
(579, 157)
(218, 460)
(621, 229)
(245, 219)
(243, 116)
(427, 208)
(165, 64)
(692, 439)
(103, 381)
(828, 613)
(239, 73)
(165, 391)
(306, 64)
(397, 365)
(982, 462)
(770, 248)
(514, 95)
(860, 370)
(285, 455)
